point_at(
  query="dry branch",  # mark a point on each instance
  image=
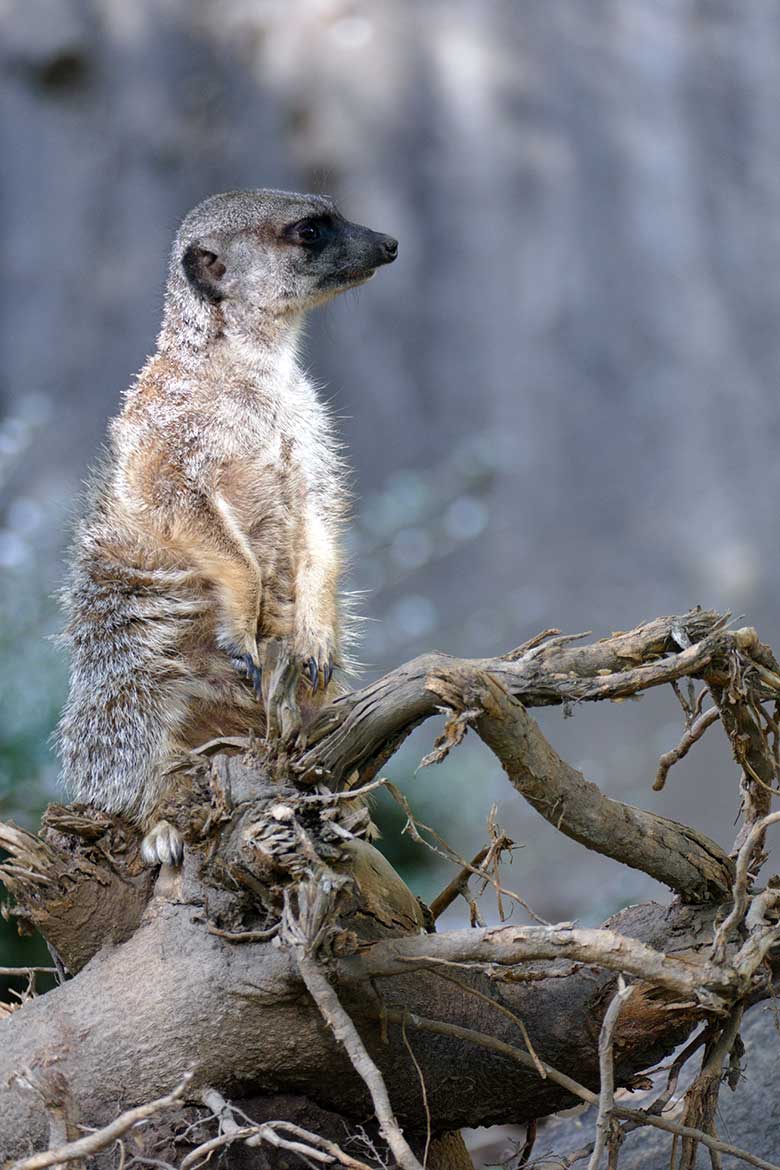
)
(361, 729)
(347, 1034)
(306, 935)
(680, 857)
(694, 979)
(692, 736)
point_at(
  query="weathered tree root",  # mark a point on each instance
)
(200, 975)
(80, 883)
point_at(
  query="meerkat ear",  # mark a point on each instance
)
(204, 270)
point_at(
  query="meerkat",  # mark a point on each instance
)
(215, 521)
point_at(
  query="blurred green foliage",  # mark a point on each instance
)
(32, 669)
(33, 674)
(453, 798)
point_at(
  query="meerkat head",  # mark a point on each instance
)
(273, 252)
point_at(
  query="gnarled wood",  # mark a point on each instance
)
(80, 883)
(678, 855)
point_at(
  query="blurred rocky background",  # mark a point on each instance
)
(561, 404)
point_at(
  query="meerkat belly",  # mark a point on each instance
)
(267, 497)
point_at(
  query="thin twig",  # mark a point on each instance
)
(330, 1148)
(490, 855)
(455, 888)
(20, 971)
(528, 1145)
(736, 915)
(530, 644)
(607, 1072)
(140, 1160)
(443, 849)
(663, 1098)
(505, 1011)
(691, 736)
(342, 1027)
(423, 1091)
(102, 1138)
(344, 793)
(244, 936)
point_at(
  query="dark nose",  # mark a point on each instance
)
(390, 247)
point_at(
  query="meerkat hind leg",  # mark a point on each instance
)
(162, 845)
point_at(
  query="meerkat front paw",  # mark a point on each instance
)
(314, 649)
(162, 845)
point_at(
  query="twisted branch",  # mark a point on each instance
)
(355, 735)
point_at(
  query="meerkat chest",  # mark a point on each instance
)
(273, 452)
(288, 436)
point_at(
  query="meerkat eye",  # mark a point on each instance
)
(307, 232)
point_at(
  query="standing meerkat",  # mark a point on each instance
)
(216, 518)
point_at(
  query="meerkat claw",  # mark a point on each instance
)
(255, 675)
(249, 669)
(310, 665)
(318, 673)
(162, 845)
